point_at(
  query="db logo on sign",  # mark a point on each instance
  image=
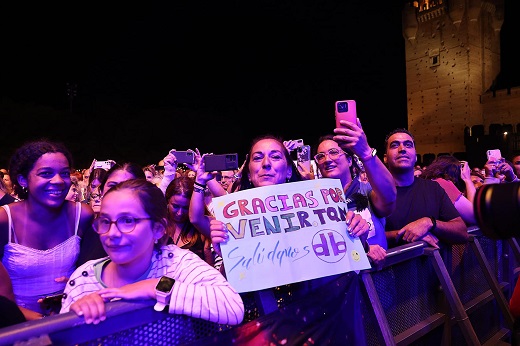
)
(329, 246)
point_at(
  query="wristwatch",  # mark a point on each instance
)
(373, 153)
(163, 292)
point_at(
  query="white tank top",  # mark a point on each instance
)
(33, 271)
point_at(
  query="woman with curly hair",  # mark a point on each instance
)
(40, 235)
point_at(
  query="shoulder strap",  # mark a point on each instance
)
(78, 217)
(10, 225)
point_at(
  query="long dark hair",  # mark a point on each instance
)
(446, 167)
(183, 186)
(99, 174)
(244, 179)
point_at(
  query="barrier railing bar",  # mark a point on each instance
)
(72, 327)
(452, 297)
(497, 338)
(492, 281)
(482, 299)
(266, 301)
(386, 333)
(420, 329)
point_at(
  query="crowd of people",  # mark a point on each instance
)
(103, 233)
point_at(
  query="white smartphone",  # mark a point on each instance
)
(495, 153)
(345, 110)
(106, 165)
(304, 156)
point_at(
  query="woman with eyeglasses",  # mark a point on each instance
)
(132, 228)
(375, 199)
(91, 246)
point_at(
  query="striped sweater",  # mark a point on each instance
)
(199, 291)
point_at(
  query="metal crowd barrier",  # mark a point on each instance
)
(422, 296)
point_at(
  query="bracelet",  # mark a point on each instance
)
(514, 179)
(202, 186)
(198, 189)
(434, 222)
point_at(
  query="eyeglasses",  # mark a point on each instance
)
(333, 153)
(227, 178)
(95, 196)
(125, 224)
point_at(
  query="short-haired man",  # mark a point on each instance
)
(227, 178)
(424, 210)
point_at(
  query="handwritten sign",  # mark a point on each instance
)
(287, 233)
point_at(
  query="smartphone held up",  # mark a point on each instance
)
(496, 154)
(345, 110)
(304, 156)
(184, 156)
(222, 162)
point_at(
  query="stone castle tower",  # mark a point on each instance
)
(452, 62)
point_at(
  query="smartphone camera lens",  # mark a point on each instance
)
(342, 107)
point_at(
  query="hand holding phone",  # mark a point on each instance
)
(223, 162)
(187, 157)
(495, 153)
(106, 165)
(293, 144)
(494, 159)
(304, 159)
(345, 110)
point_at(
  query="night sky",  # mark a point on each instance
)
(207, 75)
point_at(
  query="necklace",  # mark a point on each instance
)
(177, 240)
(181, 230)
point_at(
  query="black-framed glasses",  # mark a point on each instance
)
(125, 224)
(333, 153)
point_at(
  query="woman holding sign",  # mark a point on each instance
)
(324, 310)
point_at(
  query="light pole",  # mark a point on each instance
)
(72, 91)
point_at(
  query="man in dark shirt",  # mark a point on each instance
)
(424, 210)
